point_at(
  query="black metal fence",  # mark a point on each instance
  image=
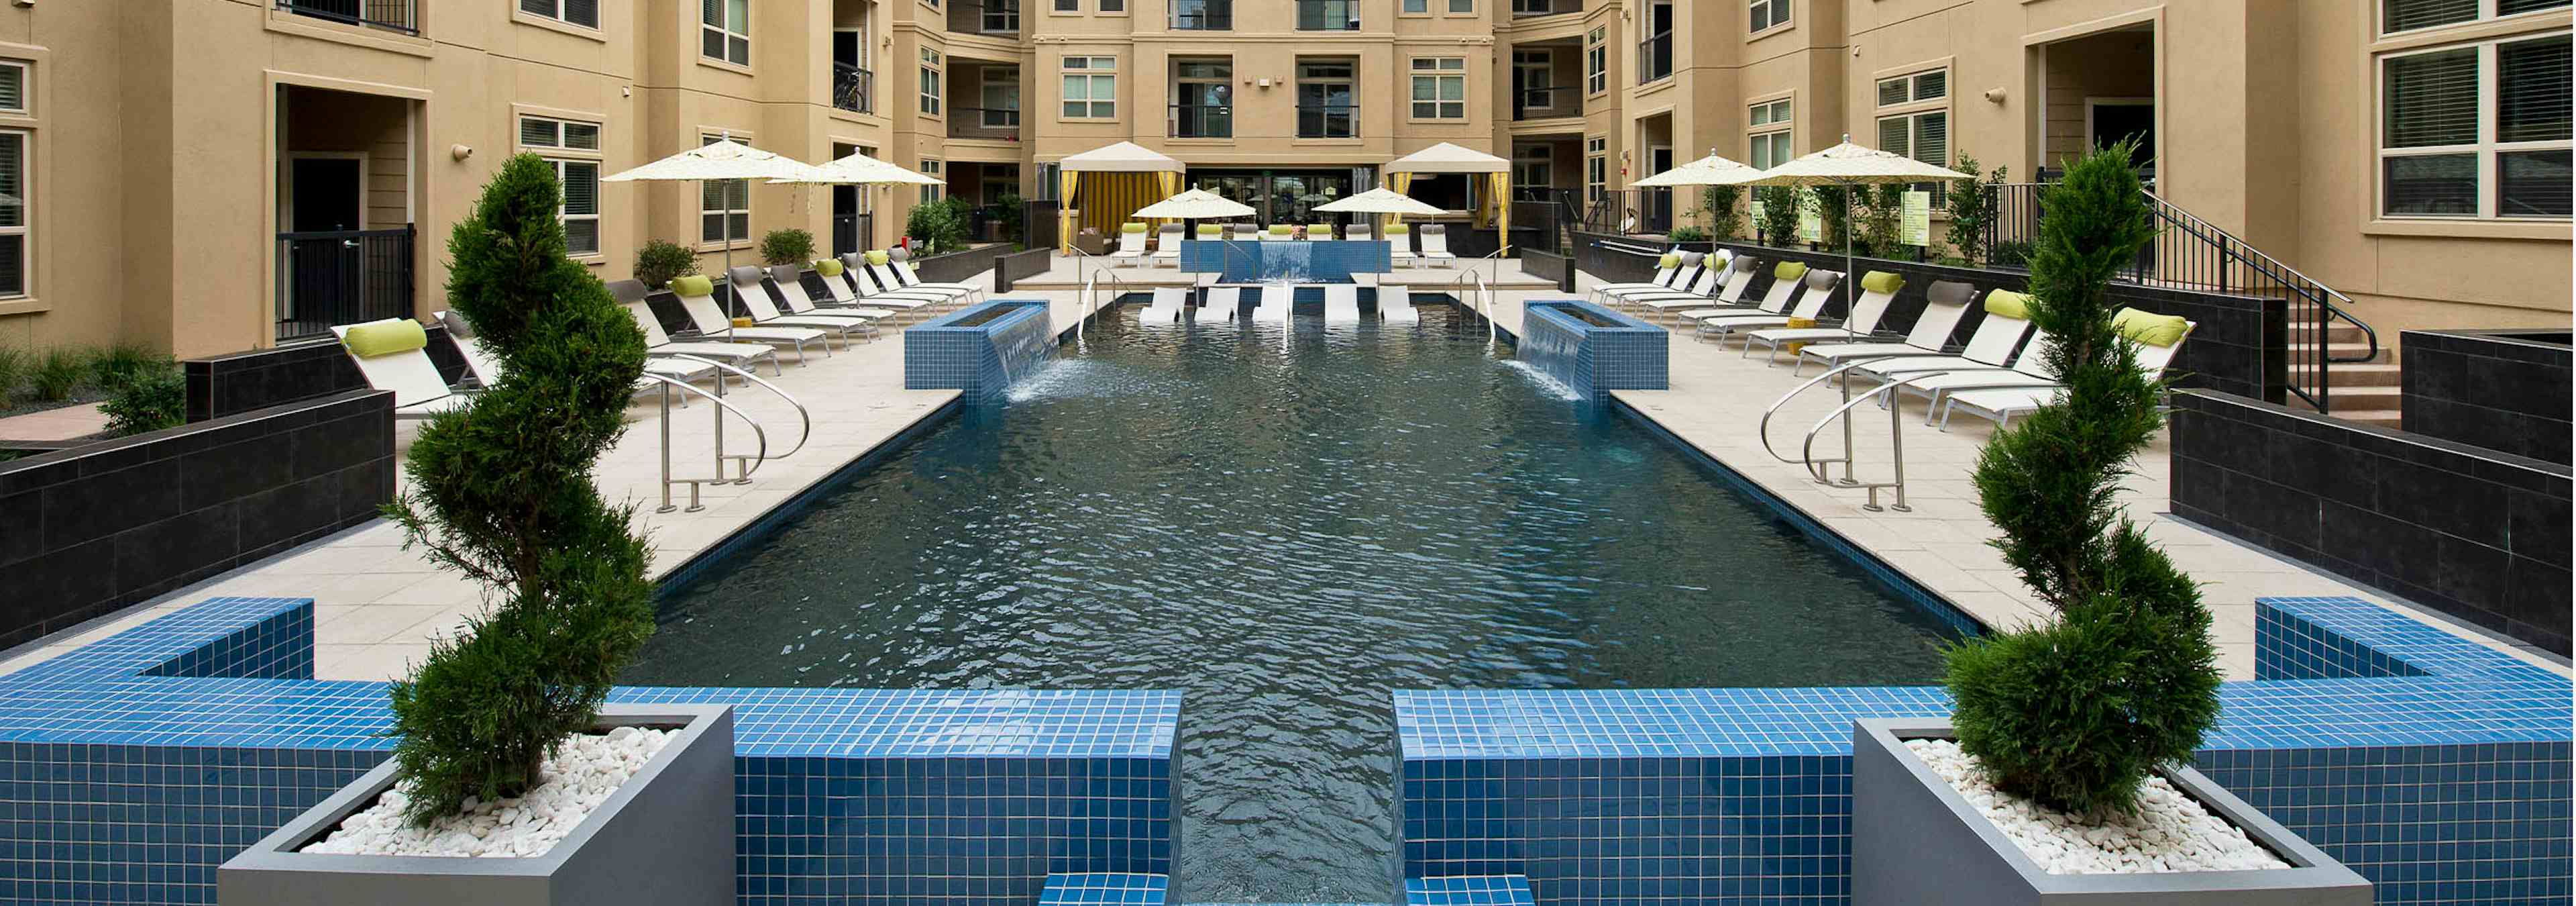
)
(1038, 223)
(1328, 120)
(1630, 211)
(853, 89)
(852, 232)
(330, 278)
(397, 15)
(1202, 121)
(1550, 214)
(995, 123)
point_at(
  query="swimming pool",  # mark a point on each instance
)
(1285, 524)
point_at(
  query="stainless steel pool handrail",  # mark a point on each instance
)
(1821, 468)
(744, 465)
(1483, 304)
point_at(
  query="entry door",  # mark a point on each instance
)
(1659, 202)
(325, 275)
(2109, 120)
(330, 194)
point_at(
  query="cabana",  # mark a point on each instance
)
(1123, 178)
(1448, 158)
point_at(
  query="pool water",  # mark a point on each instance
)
(1285, 524)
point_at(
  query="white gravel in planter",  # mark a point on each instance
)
(2172, 831)
(580, 775)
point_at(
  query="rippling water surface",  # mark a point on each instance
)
(1286, 527)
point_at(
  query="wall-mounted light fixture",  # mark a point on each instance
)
(1994, 95)
(460, 152)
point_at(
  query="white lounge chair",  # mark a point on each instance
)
(757, 289)
(1341, 302)
(1990, 347)
(1945, 302)
(2000, 404)
(1167, 246)
(1669, 272)
(1273, 303)
(396, 358)
(1245, 232)
(899, 264)
(1435, 247)
(1738, 277)
(486, 368)
(888, 271)
(841, 301)
(1358, 232)
(1816, 288)
(746, 356)
(864, 290)
(1279, 232)
(1399, 241)
(1166, 307)
(1319, 232)
(1222, 303)
(698, 299)
(1395, 305)
(1686, 280)
(1131, 244)
(1877, 293)
(1786, 278)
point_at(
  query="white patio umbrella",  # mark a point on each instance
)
(719, 160)
(1849, 165)
(1707, 171)
(1195, 204)
(1380, 201)
(862, 170)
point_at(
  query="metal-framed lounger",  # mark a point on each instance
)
(746, 356)
(712, 323)
(758, 289)
(393, 354)
(1877, 292)
(1816, 287)
(1946, 301)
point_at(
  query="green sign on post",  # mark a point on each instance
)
(1918, 218)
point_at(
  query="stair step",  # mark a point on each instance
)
(2369, 374)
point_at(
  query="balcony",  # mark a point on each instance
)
(1522, 9)
(999, 124)
(391, 15)
(1549, 102)
(853, 89)
(1202, 121)
(1655, 58)
(1328, 121)
(1202, 15)
(1328, 15)
(984, 17)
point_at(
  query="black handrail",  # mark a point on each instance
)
(1203, 15)
(396, 15)
(328, 278)
(1202, 121)
(1655, 57)
(853, 89)
(1317, 120)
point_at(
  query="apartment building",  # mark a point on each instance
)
(217, 175)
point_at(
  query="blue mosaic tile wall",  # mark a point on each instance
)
(1483, 890)
(132, 767)
(1320, 262)
(2437, 768)
(983, 359)
(1589, 358)
(1105, 890)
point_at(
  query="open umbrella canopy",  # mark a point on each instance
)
(1850, 163)
(860, 169)
(1448, 158)
(1123, 157)
(1380, 201)
(1707, 171)
(1194, 204)
(718, 160)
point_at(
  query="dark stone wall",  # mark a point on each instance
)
(2497, 389)
(239, 382)
(954, 267)
(95, 528)
(1014, 266)
(2478, 534)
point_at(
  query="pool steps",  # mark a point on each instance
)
(1105, 888)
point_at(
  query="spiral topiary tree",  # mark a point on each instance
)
(2076, 714)
(502, 493)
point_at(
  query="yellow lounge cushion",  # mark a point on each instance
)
(2008, 304)
(1398, 230)
(878, 258)
(1210, 229)
(385, 337)
(1881, 282)
(1789, 270)
(2150, 329)
(828, 267)
(1671, 260)
(1132, 228)
(693, 285)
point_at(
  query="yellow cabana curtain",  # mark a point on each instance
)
(1067, 180)
(1170, 183)
(1110, 199)
(1502, 197)
(1398, 181)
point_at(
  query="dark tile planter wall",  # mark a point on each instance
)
(954, 267)
(1011, 267)
(2478, 534)
(1554, 268)
(2504, 390)
(95, 528)
(239, 382)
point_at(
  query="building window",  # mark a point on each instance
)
(1068, 6)
(933, 192)
(1113, 6)
(1327, 102)
(1440, 88)
(1202, 15)
(1921, 86)
(1596, 62)
(930, 81)
(1769, 124)
(1001, 97)
(1091, 88)
(2408, 15)
(14, 87)
(584, 13)
(725, 30)
(580, 211)
(1417, 6)
(1534, 75)
(1596, 169)
(539, 132)
(14, 220)
(1462, 6)
(1655, 53)
(1534, 166)
(724, 205)
(1919, 126)
(2476, 130)
(1328, 15)
(1769, 13)
(1533, 7)
(1000, 17)
(1202, 98)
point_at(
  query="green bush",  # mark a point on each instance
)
(1688, 234)
(1882, 220)
(15, 364)
(149, 399)
(60, 372)
(502, 494)
(2014, 255)
(661, 261)
(1972, 208)
(1779, 215)
(1725, 216)
(787, 247)
(938, 226)
(2075, 714)
(1831, 214)
(1013, 215)
(124, 363)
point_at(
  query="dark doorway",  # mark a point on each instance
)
(329, 194)
(1280, 196)
(2116, 120)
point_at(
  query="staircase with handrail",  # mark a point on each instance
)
(744, 464)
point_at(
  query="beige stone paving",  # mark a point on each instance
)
(63, 423)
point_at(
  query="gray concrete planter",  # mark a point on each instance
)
(665, 838)
(1915, 840)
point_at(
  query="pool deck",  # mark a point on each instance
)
(377, 607)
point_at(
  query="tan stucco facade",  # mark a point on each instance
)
(160, 133)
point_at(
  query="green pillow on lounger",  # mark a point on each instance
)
(693, 285)
(1398, 230)
(1881, 282)
(1789, 270)
(1132, 228)
(828, 267)
(385, 337)
(1210, 229)
(2008, 304)
(1670, 260)
(877, 258)
(2150, 329)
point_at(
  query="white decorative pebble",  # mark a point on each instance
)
(2171, 833)
(580, 776)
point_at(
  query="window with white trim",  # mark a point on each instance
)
(1771, 141)
(724, 205)
(15, 238)
(1462, 6)
(17, 85)
(1914, 121)
(1596, 61)
(1768, 13)
(2409, 15)
(1440, 88)
(1534, 166)
(1417, 6)
(932, 167)
(2476, 130)
(1068, 6)
(930, 81)
(1001, 97)
(724, 30)
(1929, 85)
(1090, 88)
(1596, 168)
(567, 140)
(584, 13)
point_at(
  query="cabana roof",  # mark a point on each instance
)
(1448, 158)
(1123, 157)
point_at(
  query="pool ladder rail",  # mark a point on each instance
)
(1822, 467)
(1481, 301)
(744, 464)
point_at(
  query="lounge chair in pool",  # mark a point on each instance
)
(486, 369)
(746, 356)
(1131, 244)
(899, 264)
(2158, 338)
(1395, 305)
(1668, 275)
(1815, 289)
(1730, 296)
(1786, 278)
(1399, 241)
(1946, 301)
(1222, 303)
(1991, 347)
(393, 354)
(1166, 307)
(697, 297)
(1167, 246)
(887, 269)
(1319, 231)
(1341, 302)
(759, 291)
(1274, 303)
(1435, 247)
(1877, 292)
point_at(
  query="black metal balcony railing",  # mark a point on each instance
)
(329, 278)
(853, 89)
(1525, 8)
(1328, 121)
(1655, 57)
(1202, 121)
(397, 15)
(1202, 15)
(1328, 15)
(1541, 103)
(985, 17)
(996, 123)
